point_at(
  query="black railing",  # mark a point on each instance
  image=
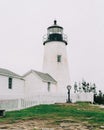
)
(55, 37)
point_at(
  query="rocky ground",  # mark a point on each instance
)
(38, 124)
(48, 125)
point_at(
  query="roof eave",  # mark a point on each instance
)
(50, 81)
(7, 75)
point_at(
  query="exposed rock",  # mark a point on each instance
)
(49, 124)
(101, 127)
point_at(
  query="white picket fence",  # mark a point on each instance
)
(21, 103)
(11, 103)
(82, 97)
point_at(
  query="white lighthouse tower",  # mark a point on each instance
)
(55, 60)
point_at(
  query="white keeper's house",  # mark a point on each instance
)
(34, 87)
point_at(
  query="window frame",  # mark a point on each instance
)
(49, 88)
(10, 83)
(59, 58)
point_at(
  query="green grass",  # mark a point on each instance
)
(79, 112)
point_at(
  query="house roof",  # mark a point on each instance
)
(9, 73)
(44, 76)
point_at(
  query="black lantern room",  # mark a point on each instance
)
(55, 33)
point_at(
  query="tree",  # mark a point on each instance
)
(84, 87)
(75, 87)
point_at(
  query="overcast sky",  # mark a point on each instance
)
(24, 22)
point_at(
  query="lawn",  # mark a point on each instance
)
(82, 112)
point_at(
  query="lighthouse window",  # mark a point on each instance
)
(58, 58)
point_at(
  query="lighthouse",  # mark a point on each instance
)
(55, 60)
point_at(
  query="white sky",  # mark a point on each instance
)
(24, 22)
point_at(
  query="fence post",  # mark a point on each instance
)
(19, 104)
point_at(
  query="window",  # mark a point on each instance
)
(58, 58)
(10, 83)
(49, 86)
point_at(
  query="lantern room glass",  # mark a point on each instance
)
(54, 30)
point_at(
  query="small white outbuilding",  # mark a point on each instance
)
(39, 83)
(11, 84)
